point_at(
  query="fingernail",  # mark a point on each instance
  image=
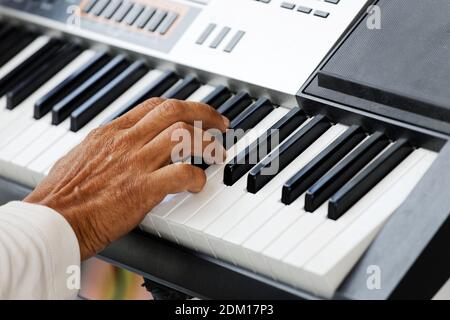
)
(226, 122)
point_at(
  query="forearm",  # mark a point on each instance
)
(37, 250)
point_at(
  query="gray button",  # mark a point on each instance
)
(304, 9)
(265, 1)
(219, 38)
(134, 14)
(122, 12)
(111, 9)
(321, 14)
(332, 1)
(99, 7)
(87, 8)
(205, 34)
(167, 23)
(145, 16)
(233, 42)
(155, 21)
(288, 5)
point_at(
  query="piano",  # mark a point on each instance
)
(358, 206)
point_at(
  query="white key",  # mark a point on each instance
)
(330, 266)
(384, 194)
(177, 216)
(270, 197)
(175, 199)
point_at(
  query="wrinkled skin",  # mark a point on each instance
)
(106, 185)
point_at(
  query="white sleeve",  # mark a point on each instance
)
(38, 253)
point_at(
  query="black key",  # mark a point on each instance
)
(217, 97)
(246, 159)
(154, 89)
(40, 76)
(234, 106)
(47, 102)
(368, 178)
(29, 66)
(260, 175)
(13, 43)
(102, 99)
(252, 115)
(105, 75)
(334, 179)
(329, 157)
(184, 89)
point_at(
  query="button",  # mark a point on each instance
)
(321, 14)
(206, 33)
(144, 17)
(333, 1)
(234, 41)
(156, 20)
(304, 9)
(133, 14)
(288, 5)
(122, 11)
(168, 22)
(265, 1)
(219, 38)
(99, 7)
(111, 9)
(87, 8)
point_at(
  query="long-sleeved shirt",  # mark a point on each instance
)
(39, 253)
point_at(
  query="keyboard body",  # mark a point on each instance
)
(352, 165)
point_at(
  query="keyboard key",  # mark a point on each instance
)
(254, 153)
(334, 179)
(47, 102)
(356, 188)
(42, 74)
(252, 115)
(217, 97)
(275, 162)
(156, 20)
(29, 66)
(66, 106)
(184, 89)
(102, 99)
(329, 157)
(145, 16)
(13, 43)
(154, 89)
(234, 106)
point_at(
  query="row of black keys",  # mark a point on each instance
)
(342, 173)
(92, 88)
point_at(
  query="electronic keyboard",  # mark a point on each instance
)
(351, 152)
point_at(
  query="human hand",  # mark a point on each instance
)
(106, 185)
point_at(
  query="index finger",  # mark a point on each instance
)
(172, 111)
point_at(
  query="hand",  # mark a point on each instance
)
(106, 185)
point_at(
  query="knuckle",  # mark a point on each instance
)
(152, 102)
(171, 108)
(180, 126)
